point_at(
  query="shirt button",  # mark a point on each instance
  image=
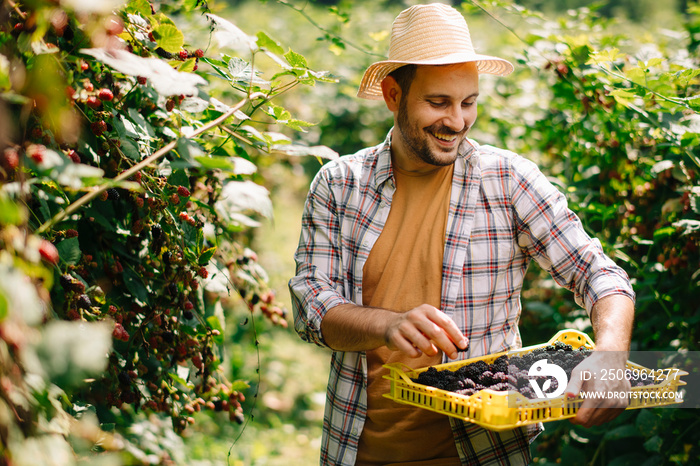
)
(354, 432)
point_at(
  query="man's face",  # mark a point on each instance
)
(434, 117)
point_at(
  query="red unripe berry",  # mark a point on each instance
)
(48, 252)
(73, 155)
(104, 196)
(199, 53)
(142, 80)
(70, 92)
(105, 94)
(37, 132)
(188, 306)
(170, 105)
(93, 102)
(183, 54)
(71, 233)
(10, 159)
(89, 86)
(174, 199)
(98, 127)
(182, 191)
(84, 66)
(203, 272)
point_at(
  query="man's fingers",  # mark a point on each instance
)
(574, 386)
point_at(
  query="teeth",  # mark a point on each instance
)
(444, 137)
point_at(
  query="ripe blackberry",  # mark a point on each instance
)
(84, 302)
(112, 194)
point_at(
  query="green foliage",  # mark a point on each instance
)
(128, 193)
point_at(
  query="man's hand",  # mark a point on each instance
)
(424, 329)
(602, 372)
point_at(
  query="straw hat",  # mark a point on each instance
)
(434, 34)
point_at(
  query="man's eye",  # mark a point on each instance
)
(468, 104)
(436, 103)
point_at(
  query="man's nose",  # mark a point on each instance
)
(454, 119)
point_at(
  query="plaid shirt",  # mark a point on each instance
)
(503, 213)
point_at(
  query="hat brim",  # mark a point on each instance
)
(370, 86)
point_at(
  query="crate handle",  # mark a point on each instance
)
(401, 369)
(569, 334)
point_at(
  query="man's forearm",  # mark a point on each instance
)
(422, 330)
(612, 318)
(349, 327)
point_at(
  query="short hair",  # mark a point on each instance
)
(404, 76)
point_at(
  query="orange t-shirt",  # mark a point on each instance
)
(404, 270)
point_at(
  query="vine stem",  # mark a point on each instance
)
(141, 165)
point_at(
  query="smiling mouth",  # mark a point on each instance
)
(444, 136)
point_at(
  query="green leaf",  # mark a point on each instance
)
(169, 37)
(266, 42)
(240, 385)
(215, 163)
(206, 256)
(653, 444)
(215, 324)
(69, 251)
(296, 60)
(624, 431)
(11, 213)
(140, 6)
(136, 287)
(176, 378)
(664, 232)
(188, 65)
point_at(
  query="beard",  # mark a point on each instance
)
(417, 141)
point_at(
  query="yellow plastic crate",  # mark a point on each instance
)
(507, 410)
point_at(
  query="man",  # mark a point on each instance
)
(415, 251)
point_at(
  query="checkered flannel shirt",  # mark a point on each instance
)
(503, 213)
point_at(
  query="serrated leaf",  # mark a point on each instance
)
(165, 80)
(69, 251)
(169, 37)
(140, 6)
(229, 35)
(188, 65)
(266, 42)
(295, 59)
(206, 256)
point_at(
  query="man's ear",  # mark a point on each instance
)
(392, 93)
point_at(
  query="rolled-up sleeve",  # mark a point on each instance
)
(553, 235)
(318, 284)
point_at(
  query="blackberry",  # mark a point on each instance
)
(500, 364)
(486, 378)
(84, 302)
(112, 194)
